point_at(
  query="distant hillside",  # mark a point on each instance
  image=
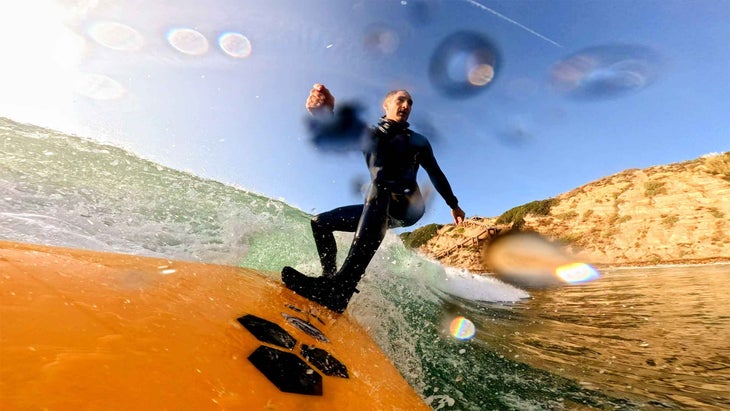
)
(671, 214)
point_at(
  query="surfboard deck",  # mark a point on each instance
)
(91, 330)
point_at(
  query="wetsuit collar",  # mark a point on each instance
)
(392, 127)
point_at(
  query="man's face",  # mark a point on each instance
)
(398, 106)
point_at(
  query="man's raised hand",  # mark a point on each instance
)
(320, 100)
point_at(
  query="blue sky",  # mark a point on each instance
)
(582, 89)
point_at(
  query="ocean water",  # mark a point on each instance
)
(637, 339)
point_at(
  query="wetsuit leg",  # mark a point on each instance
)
(336, 291)
(370, 233)
(381, 211)
(323, 226)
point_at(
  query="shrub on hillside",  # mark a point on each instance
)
(516, 215)
(653, 188)
(719, 164)
(420, 236)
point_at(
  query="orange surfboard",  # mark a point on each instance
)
(84, 330)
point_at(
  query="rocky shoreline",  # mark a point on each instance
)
(690, 263)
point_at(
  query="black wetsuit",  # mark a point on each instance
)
(393, 154)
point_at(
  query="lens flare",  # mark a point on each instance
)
(462, 328)
(576, 273)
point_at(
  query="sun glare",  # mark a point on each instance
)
(40, 61)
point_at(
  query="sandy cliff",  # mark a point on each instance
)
(676, 213)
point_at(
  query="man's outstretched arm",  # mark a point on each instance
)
(441, 184)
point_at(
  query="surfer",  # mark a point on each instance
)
(393, 154)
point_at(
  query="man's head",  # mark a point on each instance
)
(397, 105)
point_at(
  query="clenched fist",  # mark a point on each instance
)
(320, 99)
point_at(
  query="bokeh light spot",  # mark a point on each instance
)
(463, 64)
(462, 328)
(116, 36)
(481, 75)
(235, 45)
(188, 41)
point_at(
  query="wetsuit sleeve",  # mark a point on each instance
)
(438, 179)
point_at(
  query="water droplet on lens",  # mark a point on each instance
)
(606, 71)
(188, 41)
(340, 132)
(419, 12)
(463, 64)
(381, 40)
(235, 45)
(116, 36)
(527, 259)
